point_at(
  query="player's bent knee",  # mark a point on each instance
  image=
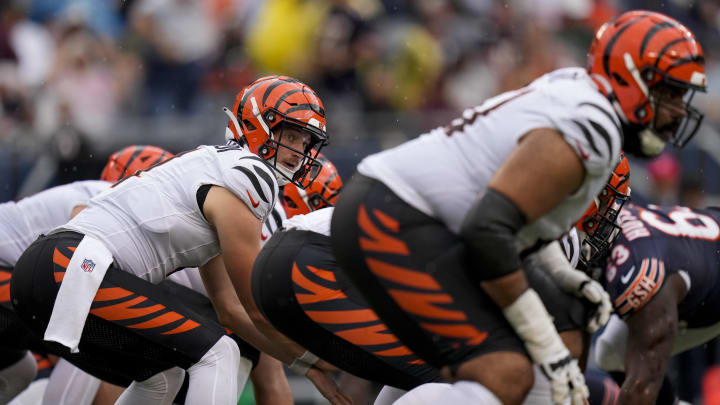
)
(494, 371)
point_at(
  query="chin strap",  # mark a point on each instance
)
(651, 144)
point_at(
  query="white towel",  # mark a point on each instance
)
(83, 276)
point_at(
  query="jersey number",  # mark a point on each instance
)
(701, 227)
(472, 114)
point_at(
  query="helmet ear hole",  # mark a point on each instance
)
(619, 79)
(249, 125)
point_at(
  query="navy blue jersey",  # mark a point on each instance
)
(658, 241)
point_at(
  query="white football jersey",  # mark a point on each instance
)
(444, 172)
(23, 221)
(275, 220)
(316, 221)
(152, 223)
(570, 243)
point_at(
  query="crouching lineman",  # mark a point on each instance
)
(20, 224)
(90, 286)
(662, 274)
(300, 290)
(424, 226)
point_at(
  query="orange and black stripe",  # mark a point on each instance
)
(418, 293)
(322, 300)
(136, 311)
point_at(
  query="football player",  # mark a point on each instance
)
(300, 290)
(204, 208)
(662, 277)
(421, 227)
(21, 223)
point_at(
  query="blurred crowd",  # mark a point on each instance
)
(79, 78)
(87, 76)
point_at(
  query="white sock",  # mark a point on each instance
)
(159, 389)
(541, 391)
(426, 394)
(388, 395)
(68, 385)
(468, 392)
(15, 378)
(218, 378)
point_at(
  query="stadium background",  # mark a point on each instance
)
(82, 78)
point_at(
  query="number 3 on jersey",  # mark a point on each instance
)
(685, 224)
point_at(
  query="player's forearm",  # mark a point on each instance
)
(240, 323)
(639, 390)
(270, 385)
(505, 290)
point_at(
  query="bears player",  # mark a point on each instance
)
(422, 226)
(203, 208)
(21, 223)
(662, 276)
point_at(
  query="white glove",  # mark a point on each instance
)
(533, 324)
(593, 292)
(553, 261)
(566, 379)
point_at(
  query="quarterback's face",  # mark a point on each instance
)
(295, 142)
(670, 110)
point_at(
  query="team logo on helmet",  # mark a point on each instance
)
(128, 161)
(267, 116)
(321, 193)
(649, 66)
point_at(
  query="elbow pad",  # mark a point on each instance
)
(489, 232)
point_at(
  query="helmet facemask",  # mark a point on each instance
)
(601, 229)
(673, 98)
(302, 174)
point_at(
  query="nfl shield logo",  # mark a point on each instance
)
(88, 265)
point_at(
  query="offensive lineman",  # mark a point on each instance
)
(423, 224)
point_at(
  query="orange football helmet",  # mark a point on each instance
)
(130, 160)
(264, 108)
(644, 61)
(321, 193)
(599, 220)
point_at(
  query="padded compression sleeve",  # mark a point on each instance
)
(489, 232)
